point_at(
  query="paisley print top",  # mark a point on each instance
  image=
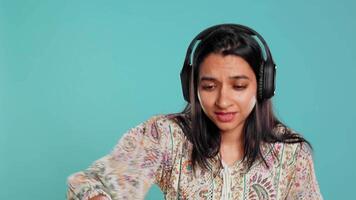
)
(157, 152)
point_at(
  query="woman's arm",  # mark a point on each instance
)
(130, 169)
(304, 183)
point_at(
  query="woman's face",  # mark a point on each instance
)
(227, 90)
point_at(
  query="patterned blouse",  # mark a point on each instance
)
(157, 151)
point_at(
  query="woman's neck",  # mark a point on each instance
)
(233, 138)
(231, 147)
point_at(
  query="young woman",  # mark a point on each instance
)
(226, 144)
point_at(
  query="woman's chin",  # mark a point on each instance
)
(227, 126)
(224, 126)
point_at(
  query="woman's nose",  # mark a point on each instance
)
(223, 100)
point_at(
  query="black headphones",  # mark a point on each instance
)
(267, 72)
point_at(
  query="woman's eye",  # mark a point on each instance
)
(240, 87)
(211, 87)
(208, 87)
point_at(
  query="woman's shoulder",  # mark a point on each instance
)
(171, 123)
(293, 146)
(291, 150)
(170, 119)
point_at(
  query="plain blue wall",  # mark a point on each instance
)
(75, 75)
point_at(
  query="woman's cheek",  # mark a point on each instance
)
(251, 104)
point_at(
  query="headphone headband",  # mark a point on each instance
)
(240, 27)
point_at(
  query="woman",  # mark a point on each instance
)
(226, 144)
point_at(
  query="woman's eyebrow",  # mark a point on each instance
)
(209, 78)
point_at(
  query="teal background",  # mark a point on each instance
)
(75, 75)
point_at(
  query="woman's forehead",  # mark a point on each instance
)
(216, 66)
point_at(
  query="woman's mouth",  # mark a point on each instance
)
(225, 116)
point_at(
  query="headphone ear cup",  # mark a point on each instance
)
(268, 80)
(185, 80)
(260, 84)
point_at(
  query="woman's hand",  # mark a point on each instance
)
(99, 197)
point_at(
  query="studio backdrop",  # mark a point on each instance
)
(76, 75)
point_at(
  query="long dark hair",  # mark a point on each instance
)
(260, 125)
